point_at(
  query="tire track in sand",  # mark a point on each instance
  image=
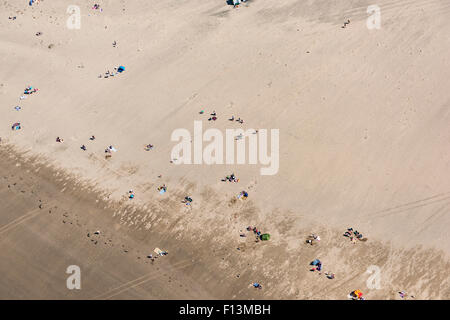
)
(141, 280)
(18, 221)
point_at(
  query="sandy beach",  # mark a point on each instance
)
(363, 122)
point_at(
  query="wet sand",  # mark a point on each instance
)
(46, 216)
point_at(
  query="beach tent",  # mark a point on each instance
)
(315, 262)
(121, 69)
(265, 237)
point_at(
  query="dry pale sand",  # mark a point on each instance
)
(363, 118)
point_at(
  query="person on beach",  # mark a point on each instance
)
(346, 23)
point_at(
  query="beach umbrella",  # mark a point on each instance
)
(121, 69)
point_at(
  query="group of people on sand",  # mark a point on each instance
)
(317, 266)
(231, 178)
(312, 239)
(83, 147)
(354, 235)
(162, 189)
(241, 121)
(213, 117)
(258, 234)
(187, 200)
(117, 70)
(356, 295)
(109, 151)
(30, 90)
(243, 195)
